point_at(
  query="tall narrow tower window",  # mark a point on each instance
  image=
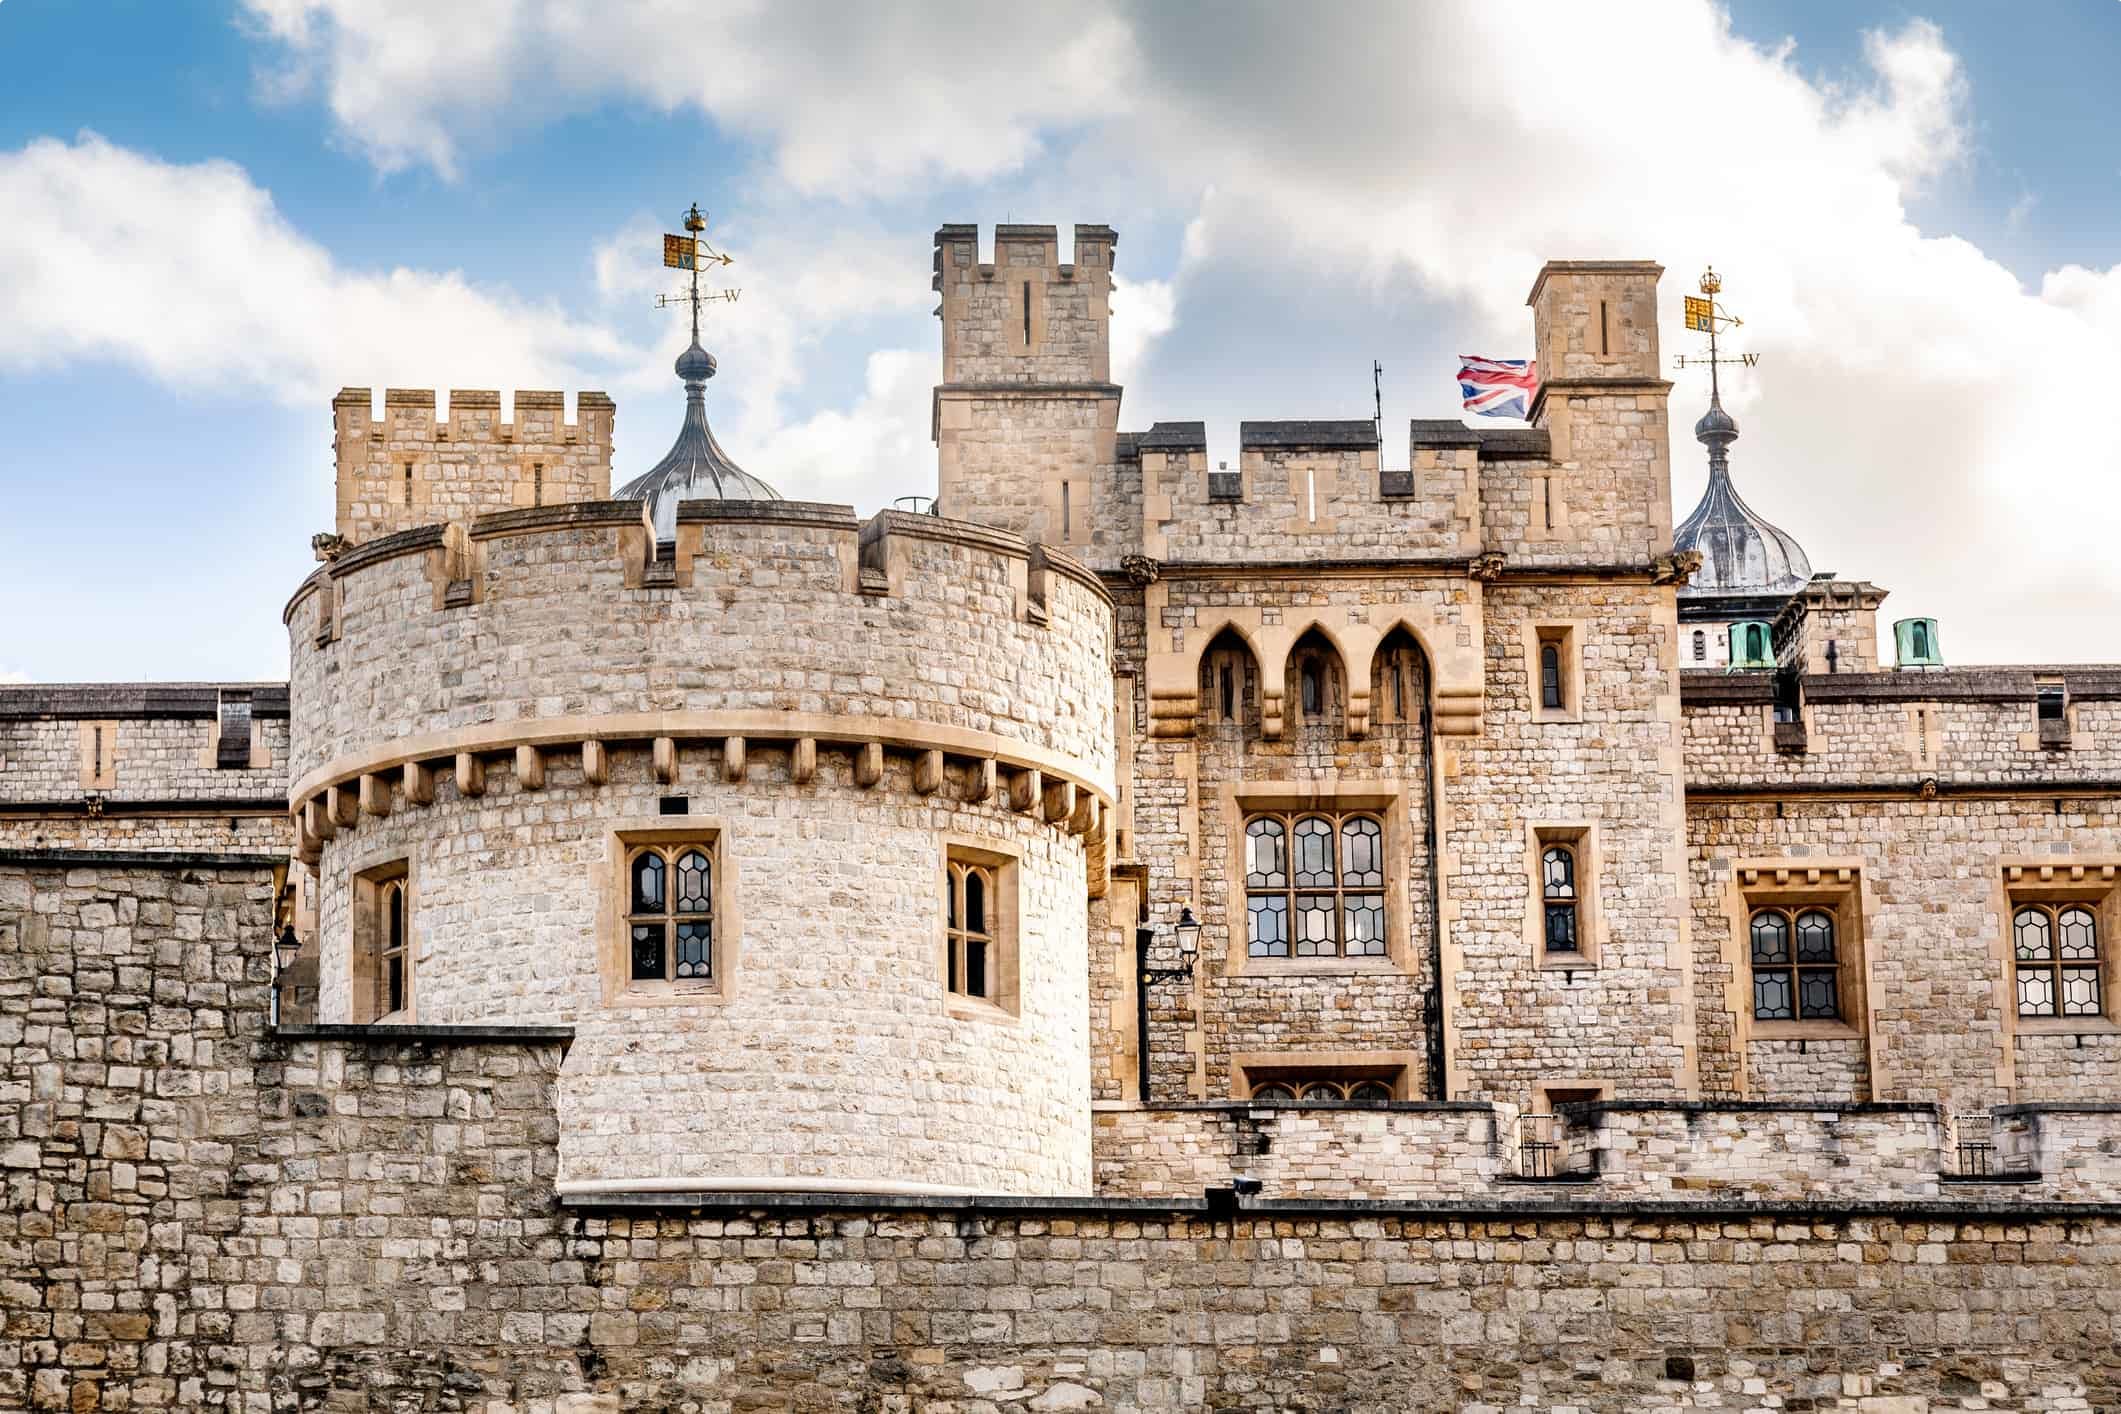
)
(408, 483)
(537, 483)
(1027, 318)
(1067, 513)
(1604, 345)
(1550, 676)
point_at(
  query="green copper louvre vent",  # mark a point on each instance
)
(1915, 644)
(1752, 645)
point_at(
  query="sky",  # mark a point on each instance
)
(214, 215)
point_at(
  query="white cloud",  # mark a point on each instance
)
(190, 272)
(1143, 311)
(848, 97)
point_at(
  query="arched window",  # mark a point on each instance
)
(2056, 950)
(670, 914)
(1756, 643)
(1557, 869)
(1796, 972)
(1398, 682)
(1312, 676)
(1701, 646)
(1330, 1089)
(392, 974)
(970, 911)
(1550, 676)
(1314, 886)
(1226, 680)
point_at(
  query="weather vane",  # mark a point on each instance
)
(1703, 316)
(690, 252)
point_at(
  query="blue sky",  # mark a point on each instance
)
(243, 206)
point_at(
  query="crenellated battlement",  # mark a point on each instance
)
(973, 641)
(412, 466)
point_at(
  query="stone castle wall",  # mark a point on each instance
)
(1619, 1013)
(1940, 1021)
(159, 784)
(1961, 726)
(411, 468)
(201, 1214)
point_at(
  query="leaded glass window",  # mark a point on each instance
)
(1557, 877)
(1550, 676)
(2056, 951)
(1796, 965)
(670, 913)
(1314, 886)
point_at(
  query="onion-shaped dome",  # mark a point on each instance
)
(695, 468)
(1741, 553)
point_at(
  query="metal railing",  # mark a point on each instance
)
(1974, 1145)
(1541, 1146)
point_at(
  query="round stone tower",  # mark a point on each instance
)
(791, 818)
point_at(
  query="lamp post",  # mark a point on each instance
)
(285, 949)
(1187, 934)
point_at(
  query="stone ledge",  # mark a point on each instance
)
(426, 1035)
(108, 808)
(1504, 1210)
(138, 859)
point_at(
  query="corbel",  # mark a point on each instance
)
(317, 823)
(418, 783)
(979, 780)
(375, 795)
(928, 772)
(470, 773)
(342, 807)
(733, 760)
(868, 764)
(802, 761)
(1083, 820)
(1059, 801)
(1025, 788)
(664, 757)
(530, 768)
(596, 763)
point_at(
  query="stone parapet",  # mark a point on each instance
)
(1298, 1151)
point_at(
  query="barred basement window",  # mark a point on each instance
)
(2056, 949)
(1557, 868)
(1314, 885)
(670, 913)
(1796, 972)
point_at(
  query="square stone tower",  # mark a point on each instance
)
(1608, 495)
(1026, 410)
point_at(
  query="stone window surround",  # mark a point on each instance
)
(1399, 1069)
(99, 754)
(2062, 879)
(1567, 635)
(1581, 836)
(1835, 886)
(1241, 799)
(1005, 918)
(614, 898)
(364, 955)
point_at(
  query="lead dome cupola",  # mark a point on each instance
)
(695, 468)
(1741, 551)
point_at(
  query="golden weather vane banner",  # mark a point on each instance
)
(1700, 312)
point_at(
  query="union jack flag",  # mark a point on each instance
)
(1497, 387)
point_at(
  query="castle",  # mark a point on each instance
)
(1133, 934)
